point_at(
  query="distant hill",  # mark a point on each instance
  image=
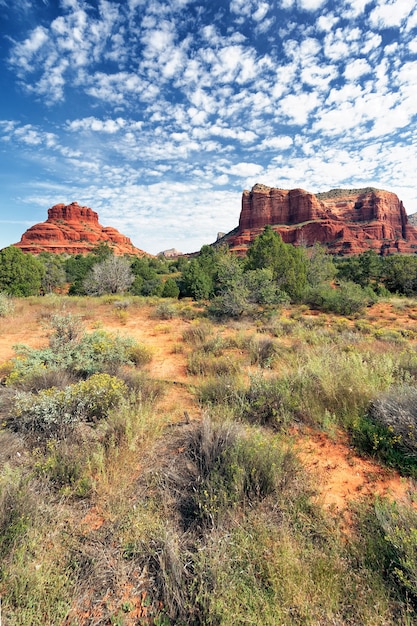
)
(346, 221)
(74, 229)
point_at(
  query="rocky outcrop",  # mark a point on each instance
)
(172, 253)
(346, 221)
(74, 229)
(412, 219)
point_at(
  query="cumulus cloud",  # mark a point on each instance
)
(390, 13)
(200, 100)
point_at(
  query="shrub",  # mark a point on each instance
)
(399, 524)
(388, 544)
(222, 466)
(54, 412)
(79, 353)
(226, 389)
(170, 289)
(165, 311)
(391, 428)
(20, 274)
(203, 364)
(262, 351)
(112, 275)
(348, 298)
(196, 334)
(139, 354)
(6, 305)
(270, 401)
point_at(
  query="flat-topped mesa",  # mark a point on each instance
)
(346, 221)
(74, 229)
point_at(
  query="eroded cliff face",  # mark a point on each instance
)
(347, 221)
(73, 229)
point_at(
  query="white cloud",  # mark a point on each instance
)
(356, 69)
(297, 108)
(277, 143)
(390, 13)
(198, 100)
(311, 5)
(245, 170)
(91, 123)
(354, 8)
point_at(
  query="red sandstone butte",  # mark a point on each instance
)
(346, 221)
(73, 229)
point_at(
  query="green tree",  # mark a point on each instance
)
(196, 282)
(170, 289)
(20, 274)
(288, 263)
(399, 274)
(262, 287)
(320, 266)
(232, 299)
(364, 269)
(55, 275)
(77, 268)
(102, 251)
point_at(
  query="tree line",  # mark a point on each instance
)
(272, 272)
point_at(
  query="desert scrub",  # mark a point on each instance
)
(227, 390)
(222, 466)
(165, 311)
(341, 382)
(389, 429)
(196, 334)
(6, 305)
(201, 364)
(77, 352)
(54, 412)
(389, 334)
(388, 548)
(269, 402)
(347, 299)
(263, 351)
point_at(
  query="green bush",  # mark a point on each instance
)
(389, 430)
(170, 289)
(348, 298)
(20, 274)
(399, 524)
(221, 467)
(54, 412)
(388, 546)
(165, 311)
(226, 389)
(202, 364)
(196, 334)
(270, 401)
(77, 352)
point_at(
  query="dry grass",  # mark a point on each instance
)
(156, 515)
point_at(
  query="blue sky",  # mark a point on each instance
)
(158, 113)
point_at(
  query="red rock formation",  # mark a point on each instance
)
(347, 221)
(73, 229)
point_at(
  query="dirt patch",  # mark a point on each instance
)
(341, 475)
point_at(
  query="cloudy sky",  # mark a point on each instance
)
(158, 113)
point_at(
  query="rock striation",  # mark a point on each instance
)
(74, 229)
(346, 221)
